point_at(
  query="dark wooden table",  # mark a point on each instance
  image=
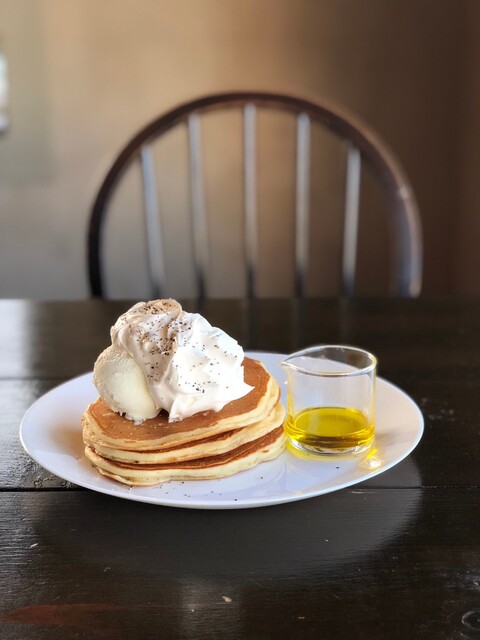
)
(395, 557)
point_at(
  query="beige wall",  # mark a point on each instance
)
(466, 211)
(86, 74)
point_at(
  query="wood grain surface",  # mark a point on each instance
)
(395, 557)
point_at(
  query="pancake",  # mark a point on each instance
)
(203, 447)
(246, 456)
(105, 428)
(206, 445)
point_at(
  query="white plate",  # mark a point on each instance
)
(51, 434)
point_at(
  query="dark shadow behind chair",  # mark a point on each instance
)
(363, 145)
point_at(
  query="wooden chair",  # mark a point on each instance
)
(363, 145)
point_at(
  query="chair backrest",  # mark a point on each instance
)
(363, 145)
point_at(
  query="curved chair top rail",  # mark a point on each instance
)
(383, 163)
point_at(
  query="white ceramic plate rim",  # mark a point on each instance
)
(50, 433)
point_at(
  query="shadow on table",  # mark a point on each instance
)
(114, 568)
(318, 533)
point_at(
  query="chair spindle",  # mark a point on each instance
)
(154, 238)
(302, 202)
(198, 208)
(350, 229)
(250, 196)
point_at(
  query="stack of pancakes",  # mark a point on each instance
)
(206, 445)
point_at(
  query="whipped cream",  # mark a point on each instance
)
(162, 357)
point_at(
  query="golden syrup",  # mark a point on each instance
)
(330, 430)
